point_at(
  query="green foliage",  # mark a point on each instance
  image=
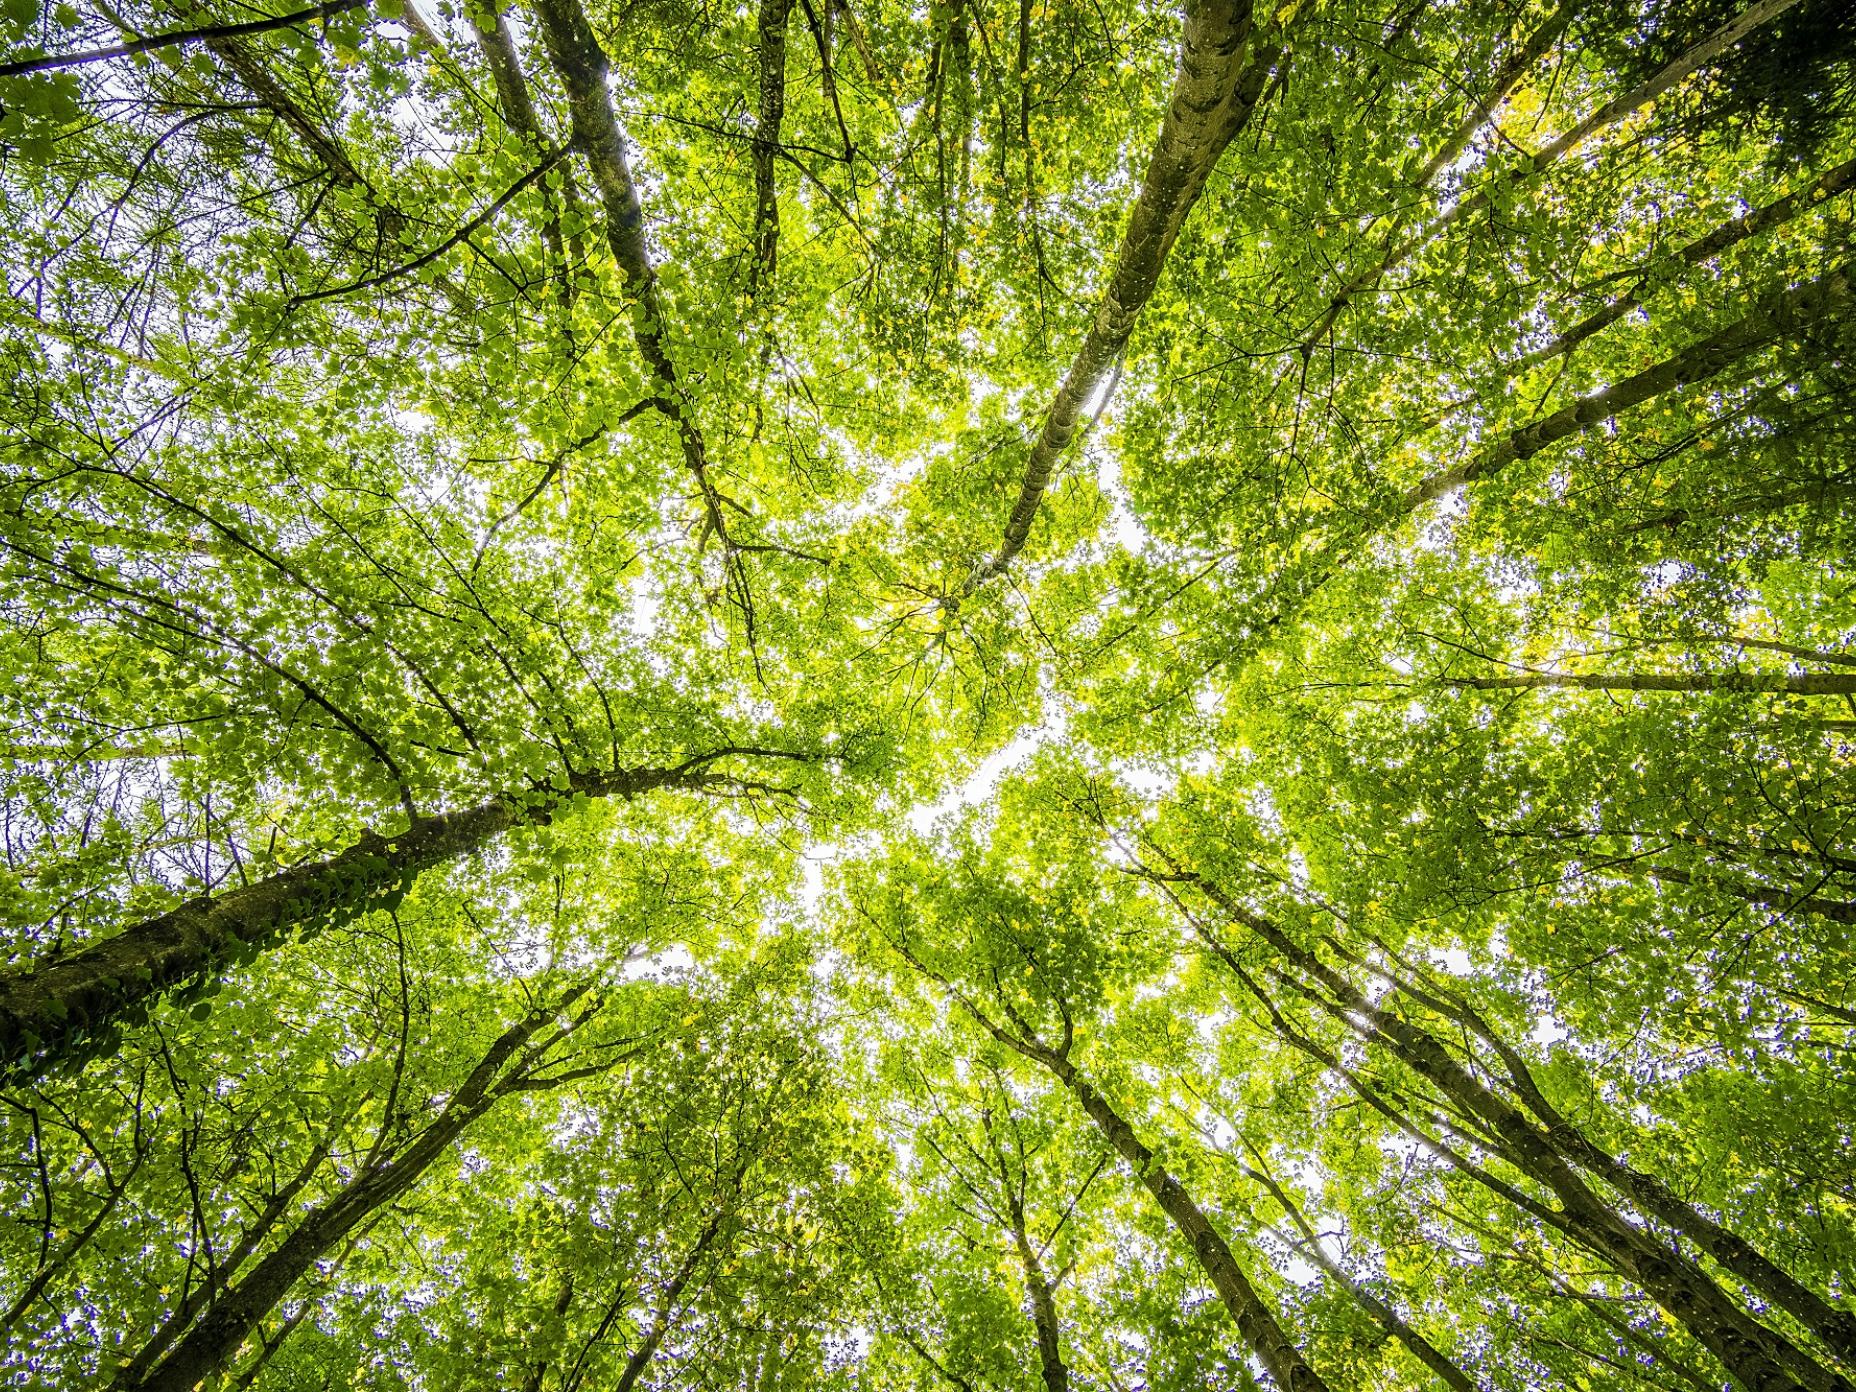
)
(1378, 865)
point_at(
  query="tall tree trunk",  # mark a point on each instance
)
(1774, 316)
(765, 238)
(212, 1342)
(1837, 1328)
(1214, 94)
(1387, 1318)
(1763, 896)
(1263, 1334)
(1043, 1301)
(538, 1369)
(228, 1267)
(667, 1308)
(250, 68)
(1701, 55)
(498, 46)
(1253, 1317)
(583, 68)
(1761, 1358)
(48, 1012)
(1703, 249)
(1808, 684)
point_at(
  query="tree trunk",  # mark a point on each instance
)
(1043, 1305)
(1703, 249)
(1214, 94)
(666, 1309)
(249, 67)
(211, 1344)
(765, 237)
(1759, 1357)
(202, 1297)
(1837, 1328)
(1388, 1319)
(1700, 56)
(49, 1013)
(1774, 316)
(1762, 896)
(498, 46)
(1809, 684)
(1255, 1321)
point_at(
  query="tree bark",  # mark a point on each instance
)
(216, 1338)
(1765, 896)
(1254, 1319)
(1837, 1328)
(1043, 1304)
(1387, 1318)
(251, 70)
(1809, 684)
(49, 1012)
(660, 1323)
(1774, 316)
(1701, 55)
(765, 237)
(1703, 249)
(498, 45)
(249, 1241)
(1762, 1359)
(583, 68)
(1214, 94)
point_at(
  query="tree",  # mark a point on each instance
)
(995, 696)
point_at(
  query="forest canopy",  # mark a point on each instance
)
(987, 695)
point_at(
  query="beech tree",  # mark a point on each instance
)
(995, 696)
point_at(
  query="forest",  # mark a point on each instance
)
(953, 696)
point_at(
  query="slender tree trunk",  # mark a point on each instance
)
(212, 1342)
(1214, 94)
(202, 1297)
(1043, 1304)
(1255, 1321)
(1253, 1317)
(765, 237)
(538, 1369)
(1703, 249)
(1388, 1319)
(1655, 1348)
(1774, 316)
(1809, 684)
(1764, 896)
(497, 44)
(667, 1308)
(1701, 55)
(50, 1012)
(1837, 1328)
(390, 222)
(583, 69)
(268, 1345)
(1762, 1359)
